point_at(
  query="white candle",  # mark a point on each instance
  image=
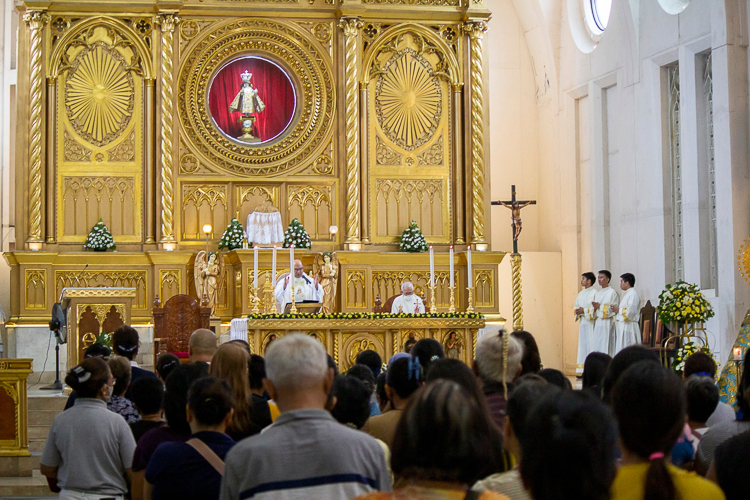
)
(468, 265)
(255, 266)
(737, 353)
(432, 267)
(291, 265)
(451, 263)
(273, 267)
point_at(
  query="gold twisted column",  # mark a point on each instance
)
(351, 26)
(476, 30)
(35, 20)
(515, 266)
(168, 24)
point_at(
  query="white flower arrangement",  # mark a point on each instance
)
(232, 236)
(412, 239)
(296, 235)
(99, 238)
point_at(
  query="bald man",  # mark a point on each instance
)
(305, 288)
(202, 345)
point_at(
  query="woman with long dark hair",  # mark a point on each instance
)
(89, 449)
(649, 403)
(444, 443)
(231, 364)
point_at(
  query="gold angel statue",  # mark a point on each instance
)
(209, 277)
(326, 269)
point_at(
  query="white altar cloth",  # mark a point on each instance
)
(264, 228)
(238, 329)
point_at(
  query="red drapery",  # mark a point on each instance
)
(274, 89)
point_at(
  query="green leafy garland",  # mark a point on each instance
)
(99, 238)
(412, 239)
(105, 339)
(296, 235)
(232, 236)
(683, 303)
(366, 315)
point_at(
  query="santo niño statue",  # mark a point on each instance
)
(248, 102)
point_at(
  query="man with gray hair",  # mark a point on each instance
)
(202, 346)
(496, 364)
(305, 453)
(407, 302)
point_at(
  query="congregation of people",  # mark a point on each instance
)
(232, 425)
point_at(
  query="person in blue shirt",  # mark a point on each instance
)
(194, 469)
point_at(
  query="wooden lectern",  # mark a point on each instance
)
(89, 311)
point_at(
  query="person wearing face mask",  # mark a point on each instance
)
(117, 402)
(89, 449)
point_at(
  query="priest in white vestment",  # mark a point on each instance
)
(604, 329)
(407, 302)
(627, 329)
(305, 288)
(586, 316)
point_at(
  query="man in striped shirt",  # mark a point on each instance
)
(305, 453)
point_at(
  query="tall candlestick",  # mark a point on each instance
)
(255, 266)
(291, 263)
(432, 267)
(273, 267)
(451, 264)
(468, 265)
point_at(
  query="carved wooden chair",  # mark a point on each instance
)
(173, 324)
(647, 323)
(386, 308)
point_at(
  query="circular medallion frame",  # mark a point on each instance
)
(306, 64)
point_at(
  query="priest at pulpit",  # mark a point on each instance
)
(305, 288)
(407, 302)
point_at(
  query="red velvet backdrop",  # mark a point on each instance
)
(274, 89)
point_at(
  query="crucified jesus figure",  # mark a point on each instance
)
(515, 215)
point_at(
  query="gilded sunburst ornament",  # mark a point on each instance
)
(408, 100)
(99, 94)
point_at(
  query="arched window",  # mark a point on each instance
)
(597, 13)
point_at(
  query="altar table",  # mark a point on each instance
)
(345, 338)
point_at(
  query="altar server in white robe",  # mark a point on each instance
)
(604, 329)
(586, 316)
(305, 288)
(627, 330)
(407, 302)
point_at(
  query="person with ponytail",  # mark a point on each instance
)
(403, 378)
(648, 401)
(194, 469)
(89, 449)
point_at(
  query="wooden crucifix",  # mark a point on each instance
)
(515, 207)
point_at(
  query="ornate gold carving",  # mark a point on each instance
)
(413, 190)
(189, 164)
(355, 289)
(189, 29)
(103, 281)
(351, 26)
(359, 346)
(433, 3)
(314, 195)
(102, 188)
(323, 165)
(476, 30)
(35, 21)
(484, 283)
(322, 32)
(408, 99)
(58, 27)
(169, 283)
(99, 94)
(125, 151)
(99, 311)
(198, 195)
(73, 150)
(293, 47)
(384, 155)
(515, 266)
(350, 324)
(433, 156)
(36, 289)
(168, 23)
(245, 194)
